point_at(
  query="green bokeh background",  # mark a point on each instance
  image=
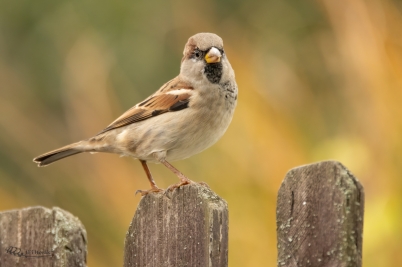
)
(317, 79)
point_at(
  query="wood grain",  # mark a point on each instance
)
(41, 237)
(187, 228)
(320, 217)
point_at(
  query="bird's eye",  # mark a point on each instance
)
(197, 53)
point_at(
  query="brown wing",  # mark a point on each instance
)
(160, 102)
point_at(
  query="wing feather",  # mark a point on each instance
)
(160, 102)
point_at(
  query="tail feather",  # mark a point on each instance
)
(57, 154)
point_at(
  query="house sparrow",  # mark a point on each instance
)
(185, 116)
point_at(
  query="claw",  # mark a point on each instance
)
(146, 192)
(181, 183)
(154, 187)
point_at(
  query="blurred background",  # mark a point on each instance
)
(318, 80)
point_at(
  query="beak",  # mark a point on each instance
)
(213, 55)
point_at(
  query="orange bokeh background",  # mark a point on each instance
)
(317, 80)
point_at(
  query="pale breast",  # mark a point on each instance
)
(212, 111)
(183, 133)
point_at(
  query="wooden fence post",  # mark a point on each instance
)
(320, 217)
(189, 227)
(41, 237)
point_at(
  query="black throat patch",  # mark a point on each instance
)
(213, 71)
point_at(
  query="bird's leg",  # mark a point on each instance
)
(183, 179)
(149, 175)
(154, 187)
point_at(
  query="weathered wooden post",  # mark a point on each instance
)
(41, 237)
(320, 217)
(187, 228)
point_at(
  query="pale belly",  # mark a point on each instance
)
(174, 135)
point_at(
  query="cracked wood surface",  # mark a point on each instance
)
(187, 227)
(320, 217)
(41, 237)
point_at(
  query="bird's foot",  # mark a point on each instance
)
(154, 189)
(183, 181)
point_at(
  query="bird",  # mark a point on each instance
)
(185, 116)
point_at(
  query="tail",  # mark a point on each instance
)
(58, 154)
